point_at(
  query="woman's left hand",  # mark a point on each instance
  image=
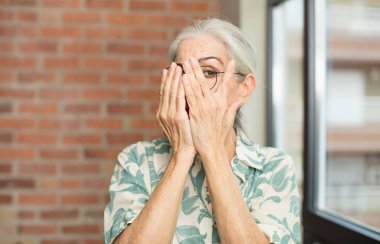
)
(211, 117)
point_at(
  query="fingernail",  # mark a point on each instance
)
(187, 64)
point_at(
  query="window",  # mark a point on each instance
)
(342, 125)
(324, 110)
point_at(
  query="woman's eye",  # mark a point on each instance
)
(209, 73)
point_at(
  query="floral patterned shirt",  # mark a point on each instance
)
(266, 178)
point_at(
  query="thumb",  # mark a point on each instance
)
(232, 110)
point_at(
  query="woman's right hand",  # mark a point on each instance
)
(171, 114)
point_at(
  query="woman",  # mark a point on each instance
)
(206, 182)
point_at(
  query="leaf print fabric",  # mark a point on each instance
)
(266, 178)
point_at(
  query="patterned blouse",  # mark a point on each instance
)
(265, 175)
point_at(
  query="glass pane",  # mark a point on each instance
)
(352, 111)
(287, 80)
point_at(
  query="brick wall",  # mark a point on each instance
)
(78, 82)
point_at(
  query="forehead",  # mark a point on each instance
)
(201, 46)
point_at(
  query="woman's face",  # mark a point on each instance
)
(211, 55)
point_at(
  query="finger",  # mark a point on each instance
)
(197, 91)
(228, 75)
(164, 75)
(167, 85)
(189, 94)
(181, 102)
(173, 90)
(198, 74)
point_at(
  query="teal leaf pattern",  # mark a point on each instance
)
(265, 176)
(187, 206)
(191, 234)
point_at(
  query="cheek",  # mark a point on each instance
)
(234, 93)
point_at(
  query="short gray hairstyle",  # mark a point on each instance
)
(236, 42)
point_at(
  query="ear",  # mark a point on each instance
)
(248, 86)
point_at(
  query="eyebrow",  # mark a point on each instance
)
(205, 59)
(210, 57)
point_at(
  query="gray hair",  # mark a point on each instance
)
(237, 44)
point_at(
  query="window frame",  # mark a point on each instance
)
(318, 225)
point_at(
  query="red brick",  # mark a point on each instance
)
(16, 183)
(69, 184)
(61, 63)
(16, 153)
(24, 214)
(6, 77)
(97, 93)
(6, 137)
(143, 94)
(104, 63)
(96, 183)
(155, 79)
(55, 241)
(17, 93)
(102, 153)
(27, 16)
(159, 50)
(79, 199)
(6, 15)
(41, 46)
(126, 79)
(6, 47)
(12, 62)
(33, 168)
(145, 124)
(82, 139)
(60, 3)
(146, 5)
(37, 229)
(6, 107)
(38, 199)
(58, 124)
(125, 19)
(82, 108)
(60, 32)
(94, 241)
(59, 154)
(81, 229)
(36, 138)
(82, 48)
(84, 168)
(90, 78)
(5, 199)
(167, 20)
(124, 109)
(39, 108)
(189, 6)
(118, 4)
(123, 49)
(123, 139)
(13, 31)
(59, 93)
(84, 17)
(5, 168)
(35, 77)
(6, 123)
(104, 123)
(103, 33)
(59, 214)
(147, 34)
(22, 2)
(147, 65)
